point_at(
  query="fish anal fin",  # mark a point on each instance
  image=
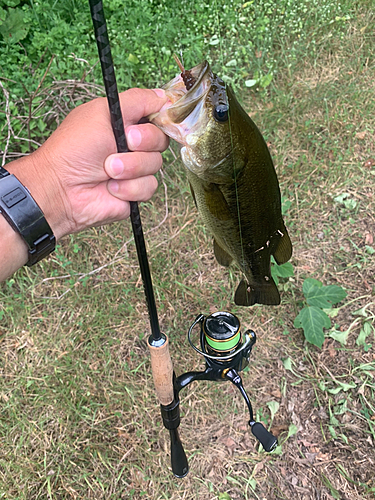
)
(223, 257)
(216, 203)
(284, 248)
(262, 293)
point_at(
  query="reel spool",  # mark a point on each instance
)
(222, 334)
(222, 343)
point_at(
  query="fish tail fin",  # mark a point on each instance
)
(284, 249)
(257, 293)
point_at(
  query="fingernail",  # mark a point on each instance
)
(159, 92)
(134, 138)
(113, 186)
(116, 167)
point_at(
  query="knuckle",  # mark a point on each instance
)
(131, 167)
(134, 93)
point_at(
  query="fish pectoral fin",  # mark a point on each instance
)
(284, 248)
(223, 257)
(216, 203)
(257, 293)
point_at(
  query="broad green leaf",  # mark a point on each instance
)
(273, 406)
(341, 337)
(13, 29)
(333, 420)
(232, 62)
(332, 431)
(297, 322)
(11, 3)
(336, 390)
(366, 330)
(332, 313)
(253, 483)
(278, 450)
(325, 296)
(274, 274)
(287, 362)
(346, 387)
(310, 283)
(266, 80)
(284, 270)
(365, 367)
(214, 40)
(251, 83)
(346, 200)
(362, 311)
(3, 14)
(292, 431)
(133, 59)
(313, 320)
(224, 496)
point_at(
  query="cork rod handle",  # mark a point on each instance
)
(162, 372)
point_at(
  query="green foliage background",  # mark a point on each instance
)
(242, 37)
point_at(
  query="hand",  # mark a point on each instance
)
(76, 176)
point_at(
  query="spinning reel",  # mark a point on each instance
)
(226, 352)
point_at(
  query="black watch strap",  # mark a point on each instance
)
(24, 215)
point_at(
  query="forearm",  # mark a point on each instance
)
(13, 250)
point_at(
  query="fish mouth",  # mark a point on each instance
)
(184, 113)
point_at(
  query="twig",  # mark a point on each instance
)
(7, 114)
(33, 97)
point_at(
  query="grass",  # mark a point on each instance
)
(79, 416)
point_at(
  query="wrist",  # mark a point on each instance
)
(25, 217)
(44, 189)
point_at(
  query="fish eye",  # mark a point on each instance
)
(221, 112)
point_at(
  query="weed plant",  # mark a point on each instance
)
(242, 40)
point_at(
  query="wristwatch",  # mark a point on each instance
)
(25, 216)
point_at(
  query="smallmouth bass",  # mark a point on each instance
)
(232, 178)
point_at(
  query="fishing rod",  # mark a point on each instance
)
(225, 349)
(161, 363)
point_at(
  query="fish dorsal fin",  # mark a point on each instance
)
(283, 250)
(223, 257)
(216, 202)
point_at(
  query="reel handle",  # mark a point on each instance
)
(266, 439)
(171, 421)
(179, 461)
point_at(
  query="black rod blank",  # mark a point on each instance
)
(105, 56)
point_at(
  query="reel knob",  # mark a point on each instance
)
(266, 439)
